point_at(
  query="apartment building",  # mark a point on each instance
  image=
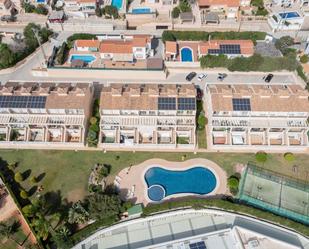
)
(257, 117)
(148, 116)
(47, 114)
(191, 51)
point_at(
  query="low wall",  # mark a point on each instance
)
(82, 27)
(179, 64)
(106, 73)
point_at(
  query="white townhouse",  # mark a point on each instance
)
(257, 117)
(44, 114)
(147, 116)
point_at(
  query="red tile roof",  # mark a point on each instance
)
(246, 46)
(229, 3)
(87, 43)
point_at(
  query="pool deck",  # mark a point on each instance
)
(133, 187)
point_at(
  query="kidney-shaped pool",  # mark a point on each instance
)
(163, 183)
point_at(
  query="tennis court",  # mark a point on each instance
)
(278, 194)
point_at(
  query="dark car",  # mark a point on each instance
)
(190, 76)
(269, 77)
(8, 18)
(222, 76)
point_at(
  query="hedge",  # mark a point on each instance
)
(204, 36)
(80, 36)
(227, 205)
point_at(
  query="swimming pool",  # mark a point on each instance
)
(163, 183)
(186, 54)
(289, 15)
(83, 57)
(141, 11)
(117, 4)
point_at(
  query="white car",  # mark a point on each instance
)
(201, 76)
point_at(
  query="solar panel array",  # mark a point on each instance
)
(166, 103)
(186, 104)
(226, 49)
(169, 103)
(198, 245)
(241, 105)
(22, 101)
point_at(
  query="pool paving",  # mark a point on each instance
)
(133, 186)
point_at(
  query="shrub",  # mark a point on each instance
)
(261, 156)
(289, 156)
(41, 10)
(18, 177)
(283, 43)
(23, 194)
(184, 6)
(233, 184)
(93, 120)
(176, 12)
(33, 180)
(111, 11)
(104, 171)
(29, 210)
(202, 121)
(304, 58)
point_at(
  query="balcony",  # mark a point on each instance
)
(18, 134)
(55, 135)
(36, 135)
(73, 135)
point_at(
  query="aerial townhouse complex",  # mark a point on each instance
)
(148, 116)
(257, 116)
(190, 51)
(44, 114)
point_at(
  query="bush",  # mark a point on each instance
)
(304, 59)
(111, 11)
(176, 12)
(289, 156)
(33, 180)
(261, 156)
(23, 194)
(104, 171)
(93, 120)
(184, 6)
(62, 53)
(18, 177)
(211, 61)
(79, 36)
(233, 184)
(41, 10)
(202, 121)
(284, 43)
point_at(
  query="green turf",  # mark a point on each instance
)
(68, 171)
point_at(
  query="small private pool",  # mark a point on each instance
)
(83, 57)
(186, 55)
(141, 11)
(164, 183)
(289, 15)
(117, 4)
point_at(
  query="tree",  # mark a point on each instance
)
(176, 12)
(304, 59)
(261, 156)
(98, 11)
(184, 6)
(104, 171)
(8, 229)
(284, 43)
(41, 10)
(18, 177)
(289, 156)
(29, 8)
(7, 57)
(78, 214)
(111, 11)
(92, 139)
(30, 39)
(30, 210)
(41, 226)
(93, 120)
(201, 121)
(23, 194)
(33, 180)
(233, 184)
(101, 205)
(62, 238)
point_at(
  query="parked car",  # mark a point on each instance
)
(269, 77)
(190, 76)
(8, 18)
(201, 76)
(222, 76)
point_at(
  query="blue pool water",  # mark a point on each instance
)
(186, 54)
(289, 15)
(117, 4)
(40, 1)
(162, 182)
(141, 11)
(85, 58)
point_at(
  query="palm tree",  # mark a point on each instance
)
(78, 214)
(41, 226)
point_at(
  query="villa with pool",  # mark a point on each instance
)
(115, 51)
(191, 51)
(286, 20)
(157, 180)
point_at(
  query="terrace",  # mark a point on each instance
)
(73, 135)
(36, 134)
(55, 134)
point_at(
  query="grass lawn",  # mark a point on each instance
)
(17, 238)
(68, 171)
(201, 139)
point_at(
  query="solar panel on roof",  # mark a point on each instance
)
(186, 104)
(198, 245)
(166, 103)
(241, 104)
(226, 49)
(22, 101)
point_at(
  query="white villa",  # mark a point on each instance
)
(147, 116)
(33, 114)
(257, 117)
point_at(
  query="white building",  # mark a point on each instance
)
(46, 114)
(147, 116)
(257, 117)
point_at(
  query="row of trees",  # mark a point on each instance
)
(39, 9)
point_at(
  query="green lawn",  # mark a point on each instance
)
(201, 139)
(17, 238)
(68, 171)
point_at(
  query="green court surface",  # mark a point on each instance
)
(278, 194)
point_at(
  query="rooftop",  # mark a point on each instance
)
(229, 3)
(245, 46)
(53, 96)
(261, 98)
(142, 97)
